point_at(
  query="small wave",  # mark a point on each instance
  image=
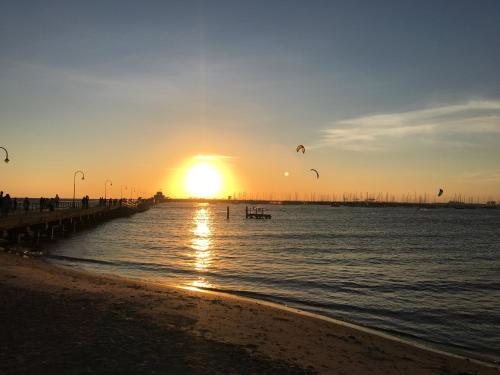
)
(375, 319)
(80, 260)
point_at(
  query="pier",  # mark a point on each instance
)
(33, 226)
(256, 213)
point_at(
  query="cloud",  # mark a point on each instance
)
(133, 85)
(211, 157)
(487, 176)
(378, 131)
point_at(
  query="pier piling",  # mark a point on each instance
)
(36, 226)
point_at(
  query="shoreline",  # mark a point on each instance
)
(441, 348)
(391, 335)
(421, 344)
(278, 338)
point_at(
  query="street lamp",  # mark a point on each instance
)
(105, 185)
(6, 154)
(74, 184)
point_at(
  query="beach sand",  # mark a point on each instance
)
(60, 321)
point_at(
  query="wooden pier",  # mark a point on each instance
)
(256, 213)
(35, 226)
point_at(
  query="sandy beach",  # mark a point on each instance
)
(61, 321)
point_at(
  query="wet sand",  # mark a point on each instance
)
(60, 321)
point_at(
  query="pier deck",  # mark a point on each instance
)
(256, 213)
(38, 224)
(20, 219)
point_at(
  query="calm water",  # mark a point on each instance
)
(433, 275)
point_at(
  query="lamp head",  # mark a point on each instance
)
(83, 177)
(6, 160)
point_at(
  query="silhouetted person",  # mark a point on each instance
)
(41, 203)
(83, 202)
(56, 201)
(14, 204)
(7, 203)
(51, 204)
(87, 201)
(26, 205)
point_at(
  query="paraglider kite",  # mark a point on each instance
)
(441, 191)
(315, 171)
(300, 148)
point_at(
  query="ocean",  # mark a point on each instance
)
(431, 275)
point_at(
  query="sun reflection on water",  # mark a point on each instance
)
(201, 245)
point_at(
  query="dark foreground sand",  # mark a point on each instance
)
(59, 321)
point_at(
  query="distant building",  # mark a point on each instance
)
(159, 197)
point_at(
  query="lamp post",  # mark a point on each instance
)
(74, 184)
(121, 191)
(6, 154)
(132, 190)
(105, 185)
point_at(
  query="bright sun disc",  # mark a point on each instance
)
(203, 181)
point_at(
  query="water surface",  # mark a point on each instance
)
(431, 275)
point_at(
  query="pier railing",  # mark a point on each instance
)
(66, 204)
(36, 225)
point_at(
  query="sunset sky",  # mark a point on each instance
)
(386, 96)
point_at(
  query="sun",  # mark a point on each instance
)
(203, 180)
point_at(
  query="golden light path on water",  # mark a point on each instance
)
(201, 244)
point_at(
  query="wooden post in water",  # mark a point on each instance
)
(227, 213)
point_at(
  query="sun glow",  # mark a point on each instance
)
(203, 180)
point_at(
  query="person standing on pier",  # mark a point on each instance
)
(52, 204)
(85, 201)
(26, 205)
(7, 203)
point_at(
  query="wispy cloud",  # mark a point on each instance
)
(212, 157)
(492, 175)
(379, 130)
(133, 85)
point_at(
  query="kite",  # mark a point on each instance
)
(300, 148)
(315, 171)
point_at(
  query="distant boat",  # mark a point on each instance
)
(459, 205)
(159, 197)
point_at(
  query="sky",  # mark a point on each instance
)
(400, 97)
